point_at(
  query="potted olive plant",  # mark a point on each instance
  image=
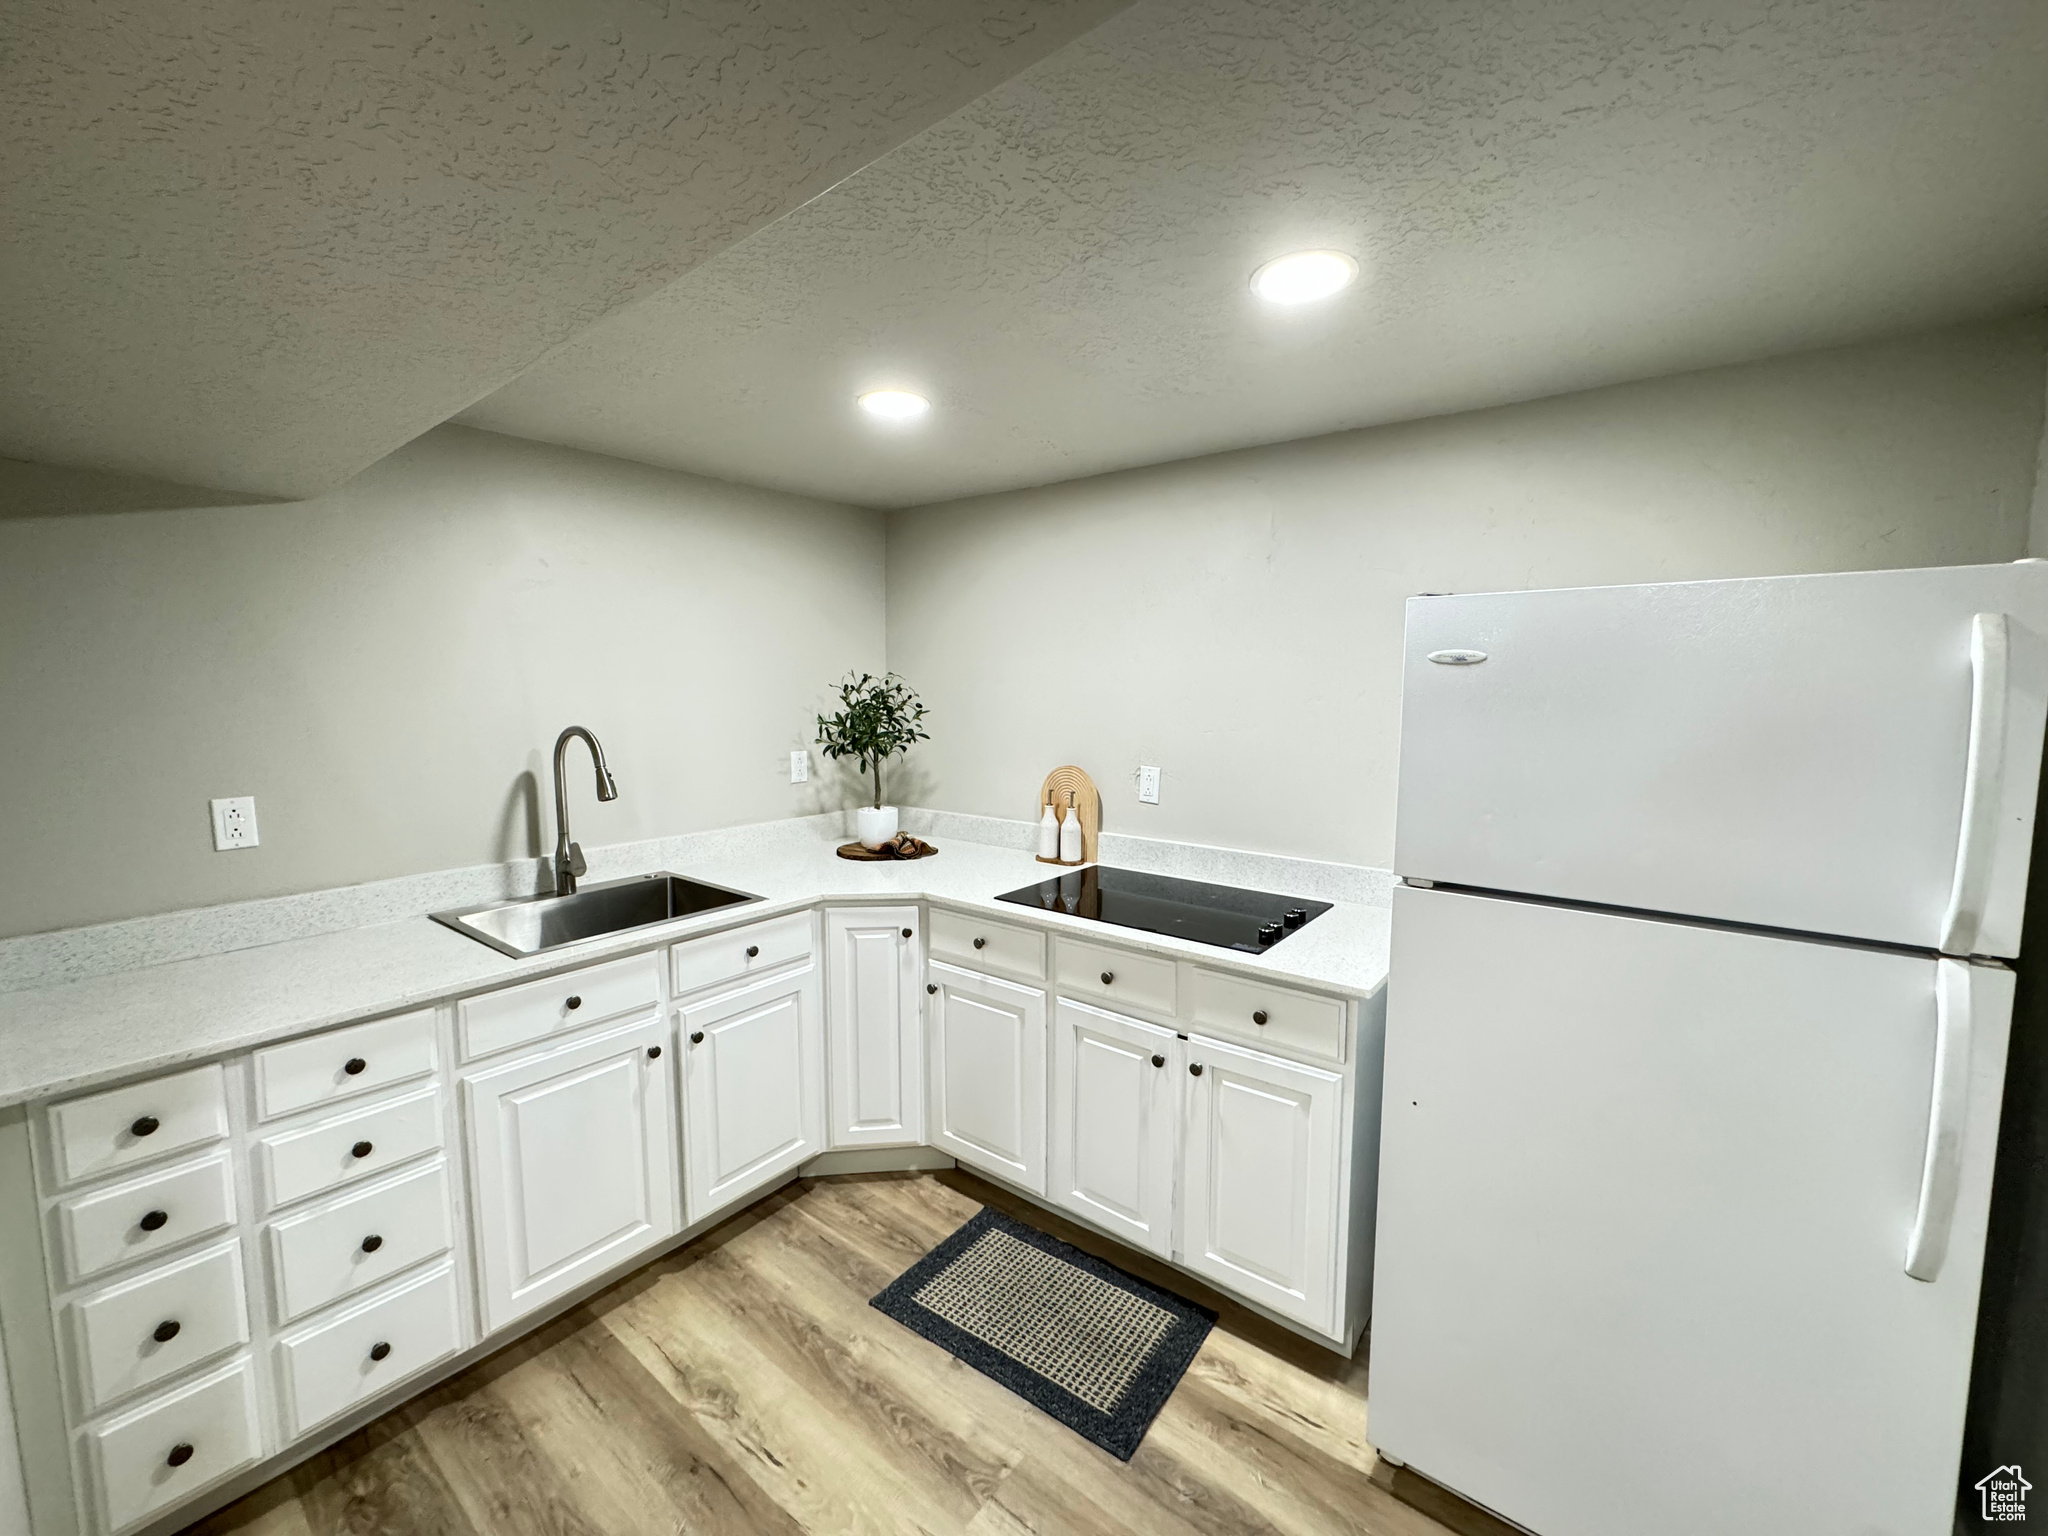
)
(881, 718)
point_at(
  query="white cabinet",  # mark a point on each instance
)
(358, 1240)
(572, 1164)
(987, 1074)
(170, 1447)
(875, 1044)
(158, 1325)
(753, 1087)
(1261, 1178)
(345, 1359)
(1116, 1089)
(141, 1123)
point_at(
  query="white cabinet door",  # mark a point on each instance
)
(1261, 1179)
(1115, 1122)
(754, 1087)
(987, 1082)
(572, 1164)
(872, 1026)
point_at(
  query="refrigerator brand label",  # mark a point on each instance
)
(1457, 658)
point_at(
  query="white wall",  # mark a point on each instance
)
(381, 668)
(1236, 620)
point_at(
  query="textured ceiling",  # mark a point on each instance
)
(259, 245)
(1543, 196)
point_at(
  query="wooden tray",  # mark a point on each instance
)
(885, 854)
(1061, 783)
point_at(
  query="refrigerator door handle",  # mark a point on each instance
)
(1941, 1175)
(1983, 785)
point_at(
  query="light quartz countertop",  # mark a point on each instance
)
(58, 1040)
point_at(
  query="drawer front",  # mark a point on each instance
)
(1259, 1013)
(210, 1428)
(143, 1331)
(290, 1165)
(981, 944)
(341, 1361)
(110, 1227)
(343, 1063)
(137, 1124)
(1126, 978)
(499, 1020)
(336, 1249)
(742, 952)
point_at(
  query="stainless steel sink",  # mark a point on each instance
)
(537, 923)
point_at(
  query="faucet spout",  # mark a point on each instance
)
(569, 862)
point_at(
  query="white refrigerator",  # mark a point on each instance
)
(1696, 1037)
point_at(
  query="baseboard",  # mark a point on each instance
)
(875, 1160)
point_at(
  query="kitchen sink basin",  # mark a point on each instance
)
(536, 924)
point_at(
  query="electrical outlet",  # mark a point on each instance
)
(1148, 785)
(799, 767)
(234, 823)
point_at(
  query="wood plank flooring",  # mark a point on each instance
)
(743, 1385)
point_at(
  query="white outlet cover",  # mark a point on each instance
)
(234, 823)
(799, 767)
(1148, 785)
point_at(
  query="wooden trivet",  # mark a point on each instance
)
(901, 846)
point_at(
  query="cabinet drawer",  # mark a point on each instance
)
(340, 1361)
(110, 1227)
(209, 1428)
(742, 952)
(136, 1124)
(1241, 1008)
(1130, 979)
(343, 1062)
(290, 1165)
(982, 944)
(499, 1020)
(336, 1249)
(142, 1331)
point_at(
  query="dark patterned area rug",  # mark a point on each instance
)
(1098, 1349)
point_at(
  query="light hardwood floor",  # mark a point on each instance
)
(742, 1384)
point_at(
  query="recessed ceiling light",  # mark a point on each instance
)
(1304, 277)
(894, 404)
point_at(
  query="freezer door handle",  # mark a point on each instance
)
(1941, 1174)
(1983, 785)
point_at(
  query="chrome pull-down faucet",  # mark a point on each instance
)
(569, 861)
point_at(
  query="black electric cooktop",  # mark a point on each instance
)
(1223, 915)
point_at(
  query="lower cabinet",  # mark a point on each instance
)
(874, 1033)
(330, 1366)
(1115, 1142)
(753, 1087)
(332, 1167)
(986, 1073)
(155, 1455)
(1260, 1182)
(572, 1164)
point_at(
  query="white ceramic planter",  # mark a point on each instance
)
(875, 825)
